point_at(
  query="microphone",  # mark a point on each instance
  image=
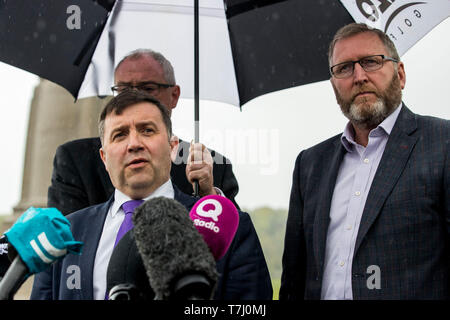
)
(126, 278)
(40, 236)
(216, 219)
(178, 262)
(4, 261)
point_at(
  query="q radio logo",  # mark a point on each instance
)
(212, 209)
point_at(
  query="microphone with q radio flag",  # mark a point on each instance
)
(216, 219)
(40, 236)
(178, 262)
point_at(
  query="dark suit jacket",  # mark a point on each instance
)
(405, 226)
(80, 180)
(243, 271)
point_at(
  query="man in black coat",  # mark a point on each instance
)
(79, 178)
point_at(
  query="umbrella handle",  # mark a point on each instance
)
(196, 188)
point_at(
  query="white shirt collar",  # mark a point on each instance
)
(165, 190)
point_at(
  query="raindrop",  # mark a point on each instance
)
(41, 24)
(52, 38)
(273, 69)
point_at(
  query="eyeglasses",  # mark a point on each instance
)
(150, 87)
(370, 63)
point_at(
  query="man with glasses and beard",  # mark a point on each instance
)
(369, 213)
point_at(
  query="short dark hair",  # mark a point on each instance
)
(353, 29)
(126, 99)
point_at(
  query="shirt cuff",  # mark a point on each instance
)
(219, 192)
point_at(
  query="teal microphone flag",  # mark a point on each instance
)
(42, 236)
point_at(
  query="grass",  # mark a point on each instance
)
(276, 288)
(2, 219)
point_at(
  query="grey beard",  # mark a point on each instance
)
(369, 118)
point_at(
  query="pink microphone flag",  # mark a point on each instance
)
(217, 219)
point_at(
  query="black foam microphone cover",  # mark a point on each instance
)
(126, 278)
(178, 262)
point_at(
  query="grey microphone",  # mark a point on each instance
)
(178, 262)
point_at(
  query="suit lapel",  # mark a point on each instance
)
(91, 237)
(326, 188)
(184, 199)
(396, 154)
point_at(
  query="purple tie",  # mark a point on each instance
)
(127, 224)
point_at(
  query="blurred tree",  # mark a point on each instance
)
(270, 224)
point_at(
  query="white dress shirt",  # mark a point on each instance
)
(111, 227)
(353, 183)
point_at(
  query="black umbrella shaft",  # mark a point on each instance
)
(196, 82)
(196, 71)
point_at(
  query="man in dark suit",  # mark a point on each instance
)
(369, 213)
(79, 178)
(137, 143)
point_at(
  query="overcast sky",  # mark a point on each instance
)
(263, 140)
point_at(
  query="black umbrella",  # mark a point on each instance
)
(39, 37)
(281, 44)
(275, 44)
(260, 46)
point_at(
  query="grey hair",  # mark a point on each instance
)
(169, 74)
(353, 29)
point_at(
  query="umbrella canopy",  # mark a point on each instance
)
(168, 27)
(47, 38)
(247, 47)
(281, 44)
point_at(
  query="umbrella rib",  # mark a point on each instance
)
(167, 8)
